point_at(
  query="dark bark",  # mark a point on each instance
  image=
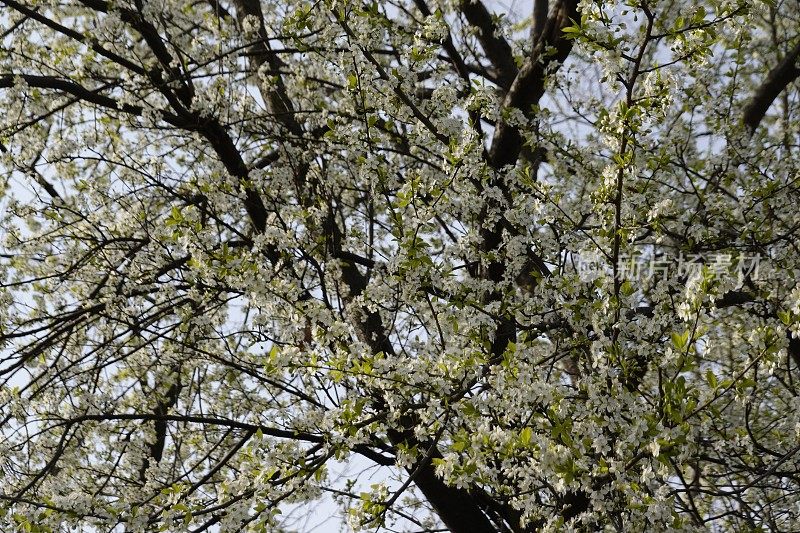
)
(497, 49)
(528, 87)
(776, 81)
(454, 506)
(160, 425)
(540, 8)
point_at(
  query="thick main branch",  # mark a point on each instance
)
(776, 81)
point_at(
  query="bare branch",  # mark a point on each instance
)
(528, 86)
(776, 81)
(495, 46)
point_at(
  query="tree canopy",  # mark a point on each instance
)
(520, 268)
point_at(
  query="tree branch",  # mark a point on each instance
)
(540, 8)
(777, 80)
(496, 47)
(528, 87)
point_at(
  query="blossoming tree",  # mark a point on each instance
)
(529, 269)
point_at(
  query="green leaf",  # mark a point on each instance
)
(352, 81)
(627, 288)
(680, 340)
(711, 378)
(525, 436)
